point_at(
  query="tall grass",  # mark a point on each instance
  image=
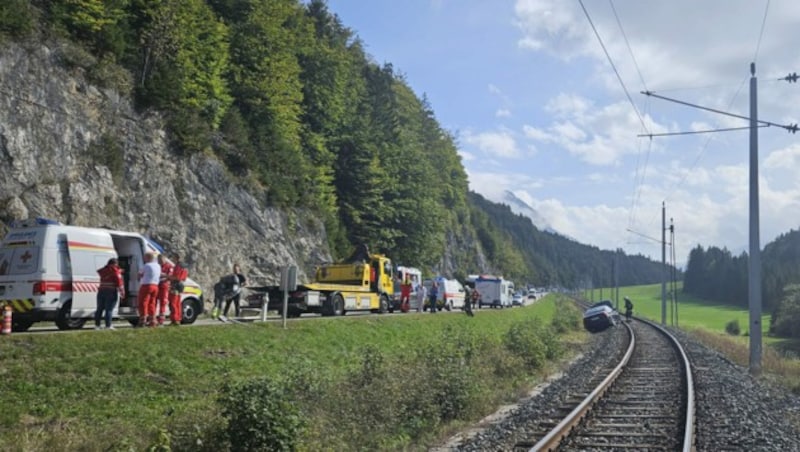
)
(372, 383)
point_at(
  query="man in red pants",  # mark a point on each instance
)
(148, 290)
(405, 295)
(163, 287)
(178, 276)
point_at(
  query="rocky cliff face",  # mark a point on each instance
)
(53, 125)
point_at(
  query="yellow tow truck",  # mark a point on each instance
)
(362, 282)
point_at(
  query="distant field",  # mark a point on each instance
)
(692, 313)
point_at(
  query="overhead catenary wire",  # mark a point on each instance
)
(793, 128)
(761, 33)
(696, 132)
(627, 43)
(613, 66)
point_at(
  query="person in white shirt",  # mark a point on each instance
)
(148, 290)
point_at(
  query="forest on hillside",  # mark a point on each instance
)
(718, 275)
(285, 95)
(553, 258)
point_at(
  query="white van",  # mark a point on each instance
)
(48, 272)
(451, 293)
(494, 291)
(412, 275)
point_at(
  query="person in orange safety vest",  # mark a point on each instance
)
(111, 287)
(163, 287)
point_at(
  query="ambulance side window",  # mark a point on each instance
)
(64, 266)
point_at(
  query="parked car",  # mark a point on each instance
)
(600, 316)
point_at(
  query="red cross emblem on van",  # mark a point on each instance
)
(26, 257)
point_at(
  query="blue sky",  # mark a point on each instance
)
(538, 111)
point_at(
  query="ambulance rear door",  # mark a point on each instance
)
(89, 250)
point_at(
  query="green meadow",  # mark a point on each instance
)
(369, 382)
(706, 322)
(692, 313)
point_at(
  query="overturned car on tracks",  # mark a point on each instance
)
(600, 316)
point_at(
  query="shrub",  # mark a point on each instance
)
(524, 339)
(566, 318)
(260, 416)
(108, 151)
(17, 18)
(732, 328)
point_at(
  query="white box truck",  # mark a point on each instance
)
(495, 291)
(48, 272)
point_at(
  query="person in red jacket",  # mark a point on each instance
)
(178, 276)
(163, 287)
(405, 296)
(111, 286)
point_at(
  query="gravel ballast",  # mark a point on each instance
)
(734, 410)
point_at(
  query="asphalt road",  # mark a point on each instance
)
(205, 320)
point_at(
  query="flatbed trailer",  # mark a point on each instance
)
(362, 283)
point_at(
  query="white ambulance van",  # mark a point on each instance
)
(48, 272)
(451, 294)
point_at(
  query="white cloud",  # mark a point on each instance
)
(550, 25)
(536, 134)
(503, 113)
(499, 144)
(466, 156)
(786, 158)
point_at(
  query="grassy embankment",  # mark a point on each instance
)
(357, 383)
(706, 321)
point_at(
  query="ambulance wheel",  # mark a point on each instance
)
(64, 320)
(20, 326)
(384, 304)
(449, 306)
(191, 309)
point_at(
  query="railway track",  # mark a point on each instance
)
(645, 403)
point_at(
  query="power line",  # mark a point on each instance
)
(761, 33)
(695, 132)
(610, 61)
(672, 190)
(793, 128)
(628, 44)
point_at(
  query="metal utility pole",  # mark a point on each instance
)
(663, 264)
(754, 273)
(616, 278)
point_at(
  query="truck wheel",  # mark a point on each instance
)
(449, 305)
(64, 320)
(191, 310)
(20, 326)
(338, 305)
(384, 305)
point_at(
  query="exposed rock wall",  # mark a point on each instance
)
(53, 125)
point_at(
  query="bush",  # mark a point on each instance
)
(566, 318)
(17, 18)
(524, 339)
(261, 416)
(732, 328)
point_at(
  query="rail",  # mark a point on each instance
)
(563, 429)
